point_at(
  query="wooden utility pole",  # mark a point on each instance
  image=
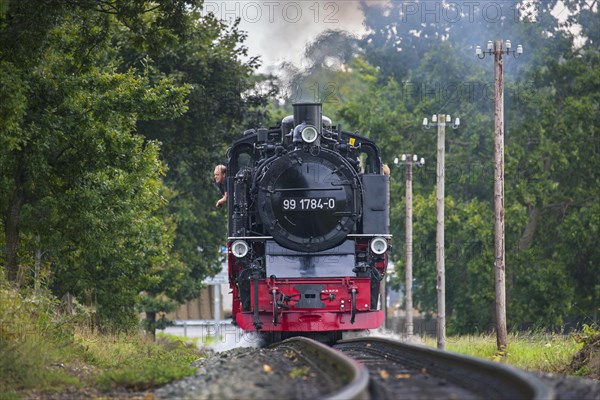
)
(501, 334)
(409, 160)
(497, 51)
(440, 121)
(439, 238)
(409, 245)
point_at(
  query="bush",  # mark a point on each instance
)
(44, 349)
(34, 337)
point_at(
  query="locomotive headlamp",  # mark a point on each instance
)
(239, 248)
(309, 134)
(379, 245)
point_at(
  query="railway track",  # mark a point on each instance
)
(380, 368)
(350, 378)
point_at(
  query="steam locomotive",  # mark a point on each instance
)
(308, 228)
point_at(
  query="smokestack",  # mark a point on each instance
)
(309, 113)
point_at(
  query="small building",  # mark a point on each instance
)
(213, 302)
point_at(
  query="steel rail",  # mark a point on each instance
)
(497, 380)
(336, 364)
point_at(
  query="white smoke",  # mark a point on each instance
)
(278, 31)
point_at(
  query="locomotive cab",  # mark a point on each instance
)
(308, 227)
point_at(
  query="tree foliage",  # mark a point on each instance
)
(110, 113)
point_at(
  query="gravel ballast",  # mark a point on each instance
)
(251, 373)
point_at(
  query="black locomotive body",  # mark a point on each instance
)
(308, 227)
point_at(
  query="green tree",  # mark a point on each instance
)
(225, 100)
(83, 198)
(554, 159)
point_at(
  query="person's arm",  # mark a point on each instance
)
(222, 200)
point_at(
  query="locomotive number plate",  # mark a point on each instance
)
(308, 203)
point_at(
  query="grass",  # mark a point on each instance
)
(43, 351)
(529, 351)
(135, 361)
